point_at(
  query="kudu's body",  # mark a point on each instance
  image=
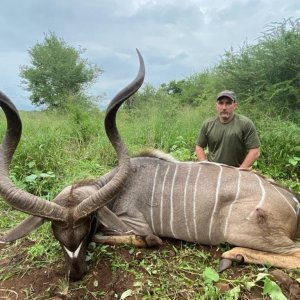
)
(207, 203)
(154, 196)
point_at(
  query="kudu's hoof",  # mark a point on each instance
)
(153, 240)
(225, 263)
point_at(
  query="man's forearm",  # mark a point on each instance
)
(200, 153)
(250, 158)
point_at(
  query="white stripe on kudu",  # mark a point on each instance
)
(216, 203)
(152, 197)
(235, 200)
(297, 204)
(194, 203)
(286, 200)
(172, 201)
(162, 200)
(184, 201)
(262, 198)
(263, 195)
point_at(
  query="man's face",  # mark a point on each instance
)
(225, 108)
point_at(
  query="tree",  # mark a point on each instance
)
(268, 70)
(57, 72)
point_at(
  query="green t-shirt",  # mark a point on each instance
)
(228, 143)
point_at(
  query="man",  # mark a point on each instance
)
(231, 138)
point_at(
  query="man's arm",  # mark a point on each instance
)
(251, 157)
(200, 153)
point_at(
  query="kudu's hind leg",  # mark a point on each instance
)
(117, 231)
(271, 238)
(287, 260)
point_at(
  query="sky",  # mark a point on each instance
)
(177, 38)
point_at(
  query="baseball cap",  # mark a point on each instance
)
(228, 94)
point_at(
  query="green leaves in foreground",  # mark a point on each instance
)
(210, 275)
(270, 288)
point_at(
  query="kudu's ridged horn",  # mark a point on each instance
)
(14, 196)
(34, 205)
(106, 193)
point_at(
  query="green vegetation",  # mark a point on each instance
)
(57, 73)
(265, 74)
(58, 148)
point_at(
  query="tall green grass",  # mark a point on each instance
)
(57, 149)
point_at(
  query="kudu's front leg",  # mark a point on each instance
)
(117, 232)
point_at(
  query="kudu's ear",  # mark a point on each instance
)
(24, 228)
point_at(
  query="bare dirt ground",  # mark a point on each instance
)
(101, 282)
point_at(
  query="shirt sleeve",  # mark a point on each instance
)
(202, 137)
(251, 138)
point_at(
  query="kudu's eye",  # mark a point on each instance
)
(61, 225)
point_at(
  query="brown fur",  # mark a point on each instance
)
(156, 154)
(73, 198)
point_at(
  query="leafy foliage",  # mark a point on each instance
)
(192, 91)
(57, 71)
(272, 289)
(267, 72)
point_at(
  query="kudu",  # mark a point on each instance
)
(154, 196)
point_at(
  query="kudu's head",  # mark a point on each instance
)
(72, 210)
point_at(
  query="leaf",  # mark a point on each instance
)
(31, 164)
(31, 178)
(45, 175)
(126, 294)
(293, 162)
(210, 275)
(260, 276)
(249, 285)
(272, 289)
(234, 293)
